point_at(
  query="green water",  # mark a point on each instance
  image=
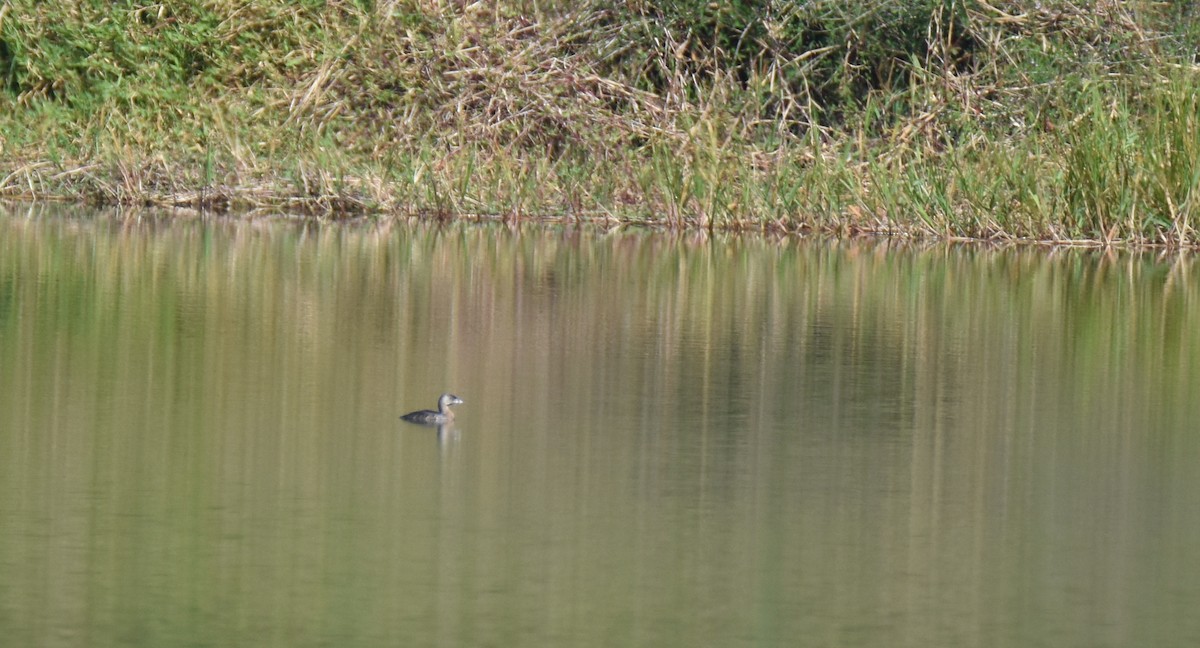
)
(666, 441)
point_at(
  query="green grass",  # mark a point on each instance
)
(1009, 120)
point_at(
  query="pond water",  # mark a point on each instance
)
(667, 440)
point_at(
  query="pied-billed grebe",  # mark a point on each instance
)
(442, 416)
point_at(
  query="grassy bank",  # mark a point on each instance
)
(1049, 121)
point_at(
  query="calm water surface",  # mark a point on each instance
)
(667, 440)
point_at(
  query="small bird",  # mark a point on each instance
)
(442, 416)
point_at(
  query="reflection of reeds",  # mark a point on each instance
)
(215, 401)
(925, 118)
(468, 292)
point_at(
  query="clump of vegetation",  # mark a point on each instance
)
(965, 118)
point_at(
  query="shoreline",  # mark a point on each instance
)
(856, 234)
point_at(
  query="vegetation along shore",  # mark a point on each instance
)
(1064, 121)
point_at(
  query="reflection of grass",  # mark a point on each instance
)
(927, 117)
(230, 388)
(388, 306)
